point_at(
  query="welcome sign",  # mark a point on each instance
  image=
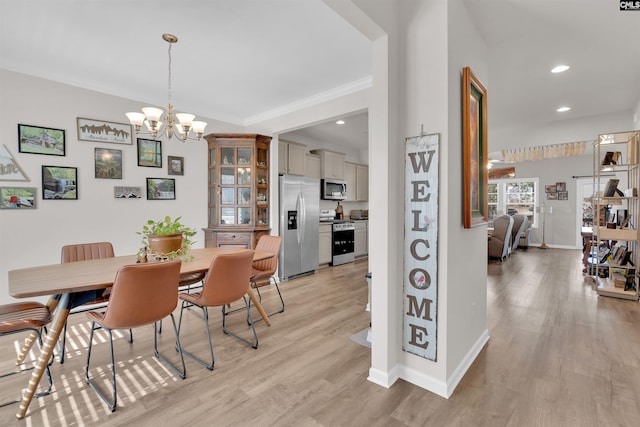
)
(420, 274)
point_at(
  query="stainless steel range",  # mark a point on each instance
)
(343, 234)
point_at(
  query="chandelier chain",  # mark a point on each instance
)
(170, 73)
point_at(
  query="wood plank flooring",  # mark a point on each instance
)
(559, 355)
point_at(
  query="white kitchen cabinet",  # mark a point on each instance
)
(331, 163)
(361, 239)
(324, 254)
(362, 182)
(357, 178)
(291, 158)
(350, 178)
(312, 166)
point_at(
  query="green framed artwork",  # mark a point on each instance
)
(474, 139)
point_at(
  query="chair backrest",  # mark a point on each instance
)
(502, 226)
(142, 294)
(520, 223)
(269, 244)
(227, 279)
(85, 251)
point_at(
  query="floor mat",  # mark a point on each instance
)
(361, 338)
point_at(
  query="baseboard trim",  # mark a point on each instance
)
(383, 378)
(465, 364)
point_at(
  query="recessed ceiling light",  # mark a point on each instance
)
(340, 122)
(563, 109)
(560, 69)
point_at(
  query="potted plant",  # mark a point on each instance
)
(167, 238)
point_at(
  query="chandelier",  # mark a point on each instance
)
(151, 116)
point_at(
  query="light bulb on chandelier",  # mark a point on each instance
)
(151, 117)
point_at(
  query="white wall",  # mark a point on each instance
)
(34, 237)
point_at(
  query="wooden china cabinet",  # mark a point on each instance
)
(238, 184)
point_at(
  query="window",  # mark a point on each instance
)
(513, 196)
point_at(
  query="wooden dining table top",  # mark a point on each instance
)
(99, 273)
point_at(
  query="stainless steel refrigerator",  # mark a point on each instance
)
(299, 223)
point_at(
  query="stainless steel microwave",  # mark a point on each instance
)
(333, 189)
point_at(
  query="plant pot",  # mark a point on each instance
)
(164, 244)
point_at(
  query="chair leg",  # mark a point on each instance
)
(47, 370)
(112, 404)
(205, 317)
(257, 288)
(63, 343)
(249, 320)
(182, 374)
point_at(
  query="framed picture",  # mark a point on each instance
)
(474, 137)
(161, 189)
(550, 188)
(10, 170)
(108, 163)
(39, 140)
(563, 195)
(103, 131)
(561, 186)
(59, 182)
(175, 165)
(611, 187)
(552, 196)
(17, 198)
(149, 153)
(120, 192)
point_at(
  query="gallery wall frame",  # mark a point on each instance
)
(108, 163)
(59, 183)
(161, 189)
(10, 170)
(41, 140)
(475, 142)
(18, 198)
(123, 192)
(175, 165)
(149, 153)
(94, 130)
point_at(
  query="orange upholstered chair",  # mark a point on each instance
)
(227, 281)
(142, 294)
(83, 252)
(263, 273)
(22, 317)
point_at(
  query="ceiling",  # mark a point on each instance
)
(240, 60)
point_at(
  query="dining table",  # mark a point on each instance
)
(65, 279)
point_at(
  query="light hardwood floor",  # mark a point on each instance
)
(559, 355)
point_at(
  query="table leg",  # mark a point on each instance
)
(28, 343)
(57, 325)
(256, 302)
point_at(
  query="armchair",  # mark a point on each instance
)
(499, 242)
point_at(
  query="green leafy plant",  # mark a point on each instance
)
(168, 226)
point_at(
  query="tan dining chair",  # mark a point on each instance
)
(22, 317)
(263, 273)
(227, 281)
(83, 252)
(142, 294)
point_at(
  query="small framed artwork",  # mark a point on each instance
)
(17, 198)
(175, 165)
(59, 182)
(161, 189)
(561, 186)
(563, 195)
(10, 170)
(40, 140)
(103, 131)
(552, 196)
(149, 153)
(108, 163)
(120, 192)
(474, 139)
(550, 188)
